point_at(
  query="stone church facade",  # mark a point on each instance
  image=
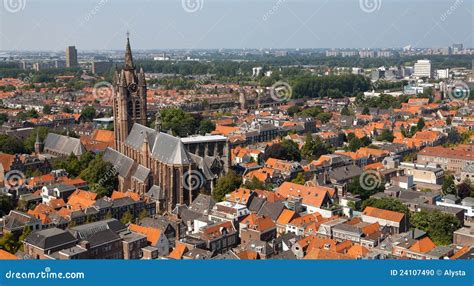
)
(168, 169)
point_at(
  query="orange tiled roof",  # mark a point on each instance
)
(103, 136)
(317, 253)
(6, 160)
(460, 252)
(314, 196)
(357, 251)
(57, 203)
(152, 234)
(259, 223)
(423, 245)
(384, 214)
(241, 196)
(286, 216)
(248, 255)
(119, 195)
(178, 251)
(4, 255)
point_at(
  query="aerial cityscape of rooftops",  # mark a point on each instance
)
(147, 152)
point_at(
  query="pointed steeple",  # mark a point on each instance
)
(128, 56)
(141, 77)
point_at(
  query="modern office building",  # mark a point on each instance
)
(71, 57)
(423, 68)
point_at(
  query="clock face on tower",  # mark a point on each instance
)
(133, 87)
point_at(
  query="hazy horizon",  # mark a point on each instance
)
(91, 25)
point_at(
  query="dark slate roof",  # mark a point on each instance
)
(160, 222)
(49, 238)
(204, 165)
(202, 203)
(86, 230)
(17, 219)
(156, 193)
(170, 150)
(122, 163)
(101, 237)
(189, 215)
(62, 188)
(272, 210)
(229, 255)
(64, 145)
(345, 173)
(137, 135)
(103, 203)
(121, 202)
(286, 255)
(141, 173)
(256, 204)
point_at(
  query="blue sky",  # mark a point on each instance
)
(168, 24)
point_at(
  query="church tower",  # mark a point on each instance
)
(129, 101)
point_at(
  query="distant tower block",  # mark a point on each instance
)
(242, 101)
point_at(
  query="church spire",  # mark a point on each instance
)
(128, 55)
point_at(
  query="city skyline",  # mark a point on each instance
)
(208, 24)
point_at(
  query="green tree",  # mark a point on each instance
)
(420, 124)
(346, 111)
(24, 234)
(324, 117)
(108, 215)
(226, 184)
(47, 109)
(6, 205)
(102, 175)
(179, 122)
(3, 118)
(449, 187)
(88, 113)
(292, 110)
(67, 109)
(300, 180)
(8, 242)
(355, 144)
(386, 135)
(355, 188)
(366, 110)
(11, 145)
(143, 214)
(127, 217)
(313, 148)
(439, 226)
(206, 126)
(256, 184)
(286, 150)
